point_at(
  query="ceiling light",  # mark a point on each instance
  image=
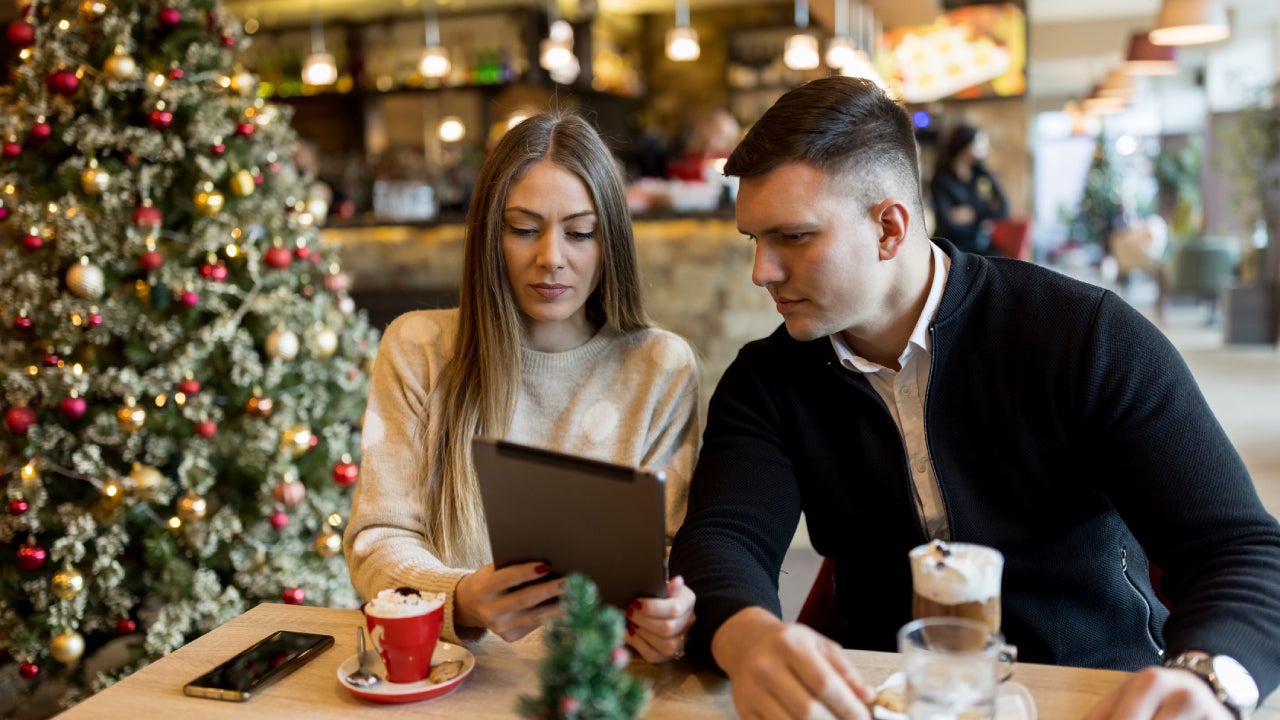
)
(801, 52)
(318, 68)
(1147, 58)
(435, 58)
(452, 129)
(682, 40)
(1190, 22)
(840, 48)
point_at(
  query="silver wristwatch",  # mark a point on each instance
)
(1233, 685)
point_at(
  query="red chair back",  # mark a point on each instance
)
(1012, 237)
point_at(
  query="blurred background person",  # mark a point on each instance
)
(966, 196)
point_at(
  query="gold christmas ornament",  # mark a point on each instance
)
(130, 417)
(327, 544)
(209, 201)
(91, 10)
(146, 480)
(323, 341)
(86, 280)
(192, 507)
(242, 183)
(67, 646)
(243, 83)
(296, 440)
(67, 583)
(259, 407)
(120, 65)
(94, 180)
(282, 344)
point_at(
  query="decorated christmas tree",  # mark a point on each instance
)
(181, 371)
(584, 675)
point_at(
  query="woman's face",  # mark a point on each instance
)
(980, 146)
(553, 255)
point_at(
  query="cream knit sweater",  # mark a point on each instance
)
(627, 398)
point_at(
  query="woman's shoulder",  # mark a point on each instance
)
(422, 329)
(660, 346)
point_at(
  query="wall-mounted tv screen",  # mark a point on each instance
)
(976, 51)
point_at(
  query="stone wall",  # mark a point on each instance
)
(696, 272)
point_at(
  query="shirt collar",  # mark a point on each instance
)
(919, 335)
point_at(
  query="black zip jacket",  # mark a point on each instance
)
(1064, 430)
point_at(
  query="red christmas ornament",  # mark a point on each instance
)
(169, 17)
(259, 178)
(218, 273)
(31, 557)
(278, 258)
(50, 360)
(73, 407)
(346, 473)
(206, 428)
(176, 73)
(293, 596)
(28, 671)
(621, 656)
(245, 129)
(189, 386)
(228, 41)
(217, 149)
(62, 82)
(290, 492)
(275, 167)
(279, 519)
(19, 419)
(126, 626)
(40, 131)
(302, 252)
(22, 323)
(4, 213)
(33, 242)
(188, 299)
(569, 706)
(11, 151)
(160, 119)
(150, 260)
(147, 215)
(18, 506)
(95, 320)
(21, 34)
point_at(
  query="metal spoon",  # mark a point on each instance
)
(363, 677)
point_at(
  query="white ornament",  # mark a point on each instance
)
(282, 344)
(323, 341)
(85, 280)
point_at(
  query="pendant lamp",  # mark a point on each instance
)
(435, 58)
(1147, 58)
(801, 52)
(318, 68)
(1190, 22)
(682, 40)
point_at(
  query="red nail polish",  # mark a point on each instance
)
(628, 611)
(542, 569)
(631, 629)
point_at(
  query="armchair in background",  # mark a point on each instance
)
(1012, 238)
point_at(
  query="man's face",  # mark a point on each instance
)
(817, 250)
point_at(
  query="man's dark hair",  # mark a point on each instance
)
(843, 126)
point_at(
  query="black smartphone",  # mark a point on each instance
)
(259, 665)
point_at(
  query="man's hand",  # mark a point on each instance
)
(787, 670)
(487, 598)
(1161, 694)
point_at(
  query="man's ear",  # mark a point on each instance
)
(894, 219)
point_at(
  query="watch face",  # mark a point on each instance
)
(1236, 682)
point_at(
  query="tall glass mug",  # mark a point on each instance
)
(953, 667)
(956, 580)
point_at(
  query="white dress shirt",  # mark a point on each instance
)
(903, 392)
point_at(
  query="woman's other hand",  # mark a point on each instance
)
(657, 627)
(489, 598)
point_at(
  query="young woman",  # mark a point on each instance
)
(966, 196)
(550, 346)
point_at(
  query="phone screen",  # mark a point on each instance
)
(266, 661)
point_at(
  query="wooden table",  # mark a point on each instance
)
(503, 672)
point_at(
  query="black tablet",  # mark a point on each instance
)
(602, 520)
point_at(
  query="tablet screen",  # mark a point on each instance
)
(576, 514)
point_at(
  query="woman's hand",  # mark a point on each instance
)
(657, 627)
(487, 598)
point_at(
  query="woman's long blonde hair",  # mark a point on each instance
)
(478, 384)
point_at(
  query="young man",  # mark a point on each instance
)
(919, 392)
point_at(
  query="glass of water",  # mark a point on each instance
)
(953, 667)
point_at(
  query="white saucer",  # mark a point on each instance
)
(1013, 703)
(389, 692)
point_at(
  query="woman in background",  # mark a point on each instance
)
(966, 196)
(550, 346)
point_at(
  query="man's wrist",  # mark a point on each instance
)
(735, 635)
(1230, 681)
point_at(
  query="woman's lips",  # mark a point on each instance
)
(550, 292)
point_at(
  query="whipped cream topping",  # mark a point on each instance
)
(401, 603)
(954, 573)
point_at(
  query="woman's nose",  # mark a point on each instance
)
(550, 250)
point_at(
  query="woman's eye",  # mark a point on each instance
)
(589, 234)
(521, 230)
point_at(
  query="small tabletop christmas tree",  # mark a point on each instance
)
(584, 674)
(181, 370)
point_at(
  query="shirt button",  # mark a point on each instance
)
(920, 468)
(906, 392)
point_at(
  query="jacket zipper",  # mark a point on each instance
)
(1124, 570)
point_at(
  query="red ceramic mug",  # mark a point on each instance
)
(405, 632)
